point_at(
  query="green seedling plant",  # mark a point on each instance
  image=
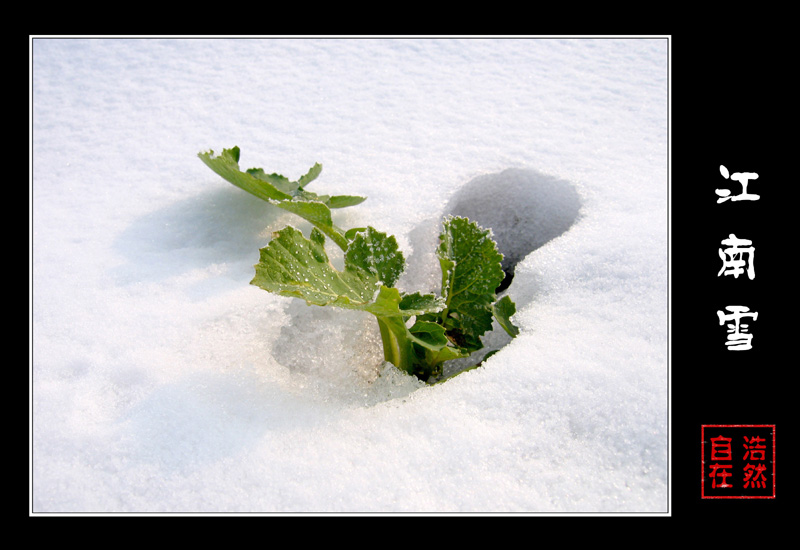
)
(284, 193)
(419, 331)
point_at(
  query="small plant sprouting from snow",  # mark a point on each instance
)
(419, 332)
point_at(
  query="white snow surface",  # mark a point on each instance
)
(163, 382)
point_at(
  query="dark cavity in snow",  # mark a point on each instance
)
(525, 209)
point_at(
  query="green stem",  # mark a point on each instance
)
(397, 348)
(335, 234)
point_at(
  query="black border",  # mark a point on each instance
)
(730, 107)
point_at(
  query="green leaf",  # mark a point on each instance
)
(471, 271)
(292, 265)
(373, 251)
(430, 335)
(433, 337)
(282, 192)
(390, 302)
(351, 233)
(277, 181)
(343, 201)
(421, 304)
(254, 182)
(315, 212)
(432, 347)
(311, 175)
(503, 309)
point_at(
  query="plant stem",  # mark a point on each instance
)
(397, 348)
(335, 234)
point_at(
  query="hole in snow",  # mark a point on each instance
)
(525, 209)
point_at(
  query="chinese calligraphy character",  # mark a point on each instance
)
(743, 178)
(734, 472)
(721, 448)
(758, 480)
(723, 475)
(738, 337)
(733, 257)
(756, 450)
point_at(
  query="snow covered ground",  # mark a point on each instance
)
(163, 382)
